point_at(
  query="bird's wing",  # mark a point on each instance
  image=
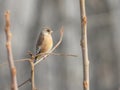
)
(39, 43)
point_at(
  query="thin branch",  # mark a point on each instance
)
(20, 60)
(24, 82)
(14, 85)
(63, 54)
(84, 46)
(32, 70)
(28, 59)
(57, 54)
(60, 40)
(31, 61)
(32, 75)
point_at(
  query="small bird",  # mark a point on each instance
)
(44, 43)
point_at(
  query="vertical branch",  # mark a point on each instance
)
(32, 75)
(9, 52)
(84, 45)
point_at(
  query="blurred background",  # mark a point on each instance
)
(28, 17)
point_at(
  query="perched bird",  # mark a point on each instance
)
(44, 43)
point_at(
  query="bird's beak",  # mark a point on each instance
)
(51, 31)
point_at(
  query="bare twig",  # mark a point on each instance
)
(20, 60)
(60, 40)
(31, 61)
(32, 75)
(14, 85)
(84, 45)
(27, 59)
(57, 54)
(63, 54)
(24, 82)
(32, 70)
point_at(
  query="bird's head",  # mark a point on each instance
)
(47, 31)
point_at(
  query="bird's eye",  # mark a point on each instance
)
(48, 30)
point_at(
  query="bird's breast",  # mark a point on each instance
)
(46, 44)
